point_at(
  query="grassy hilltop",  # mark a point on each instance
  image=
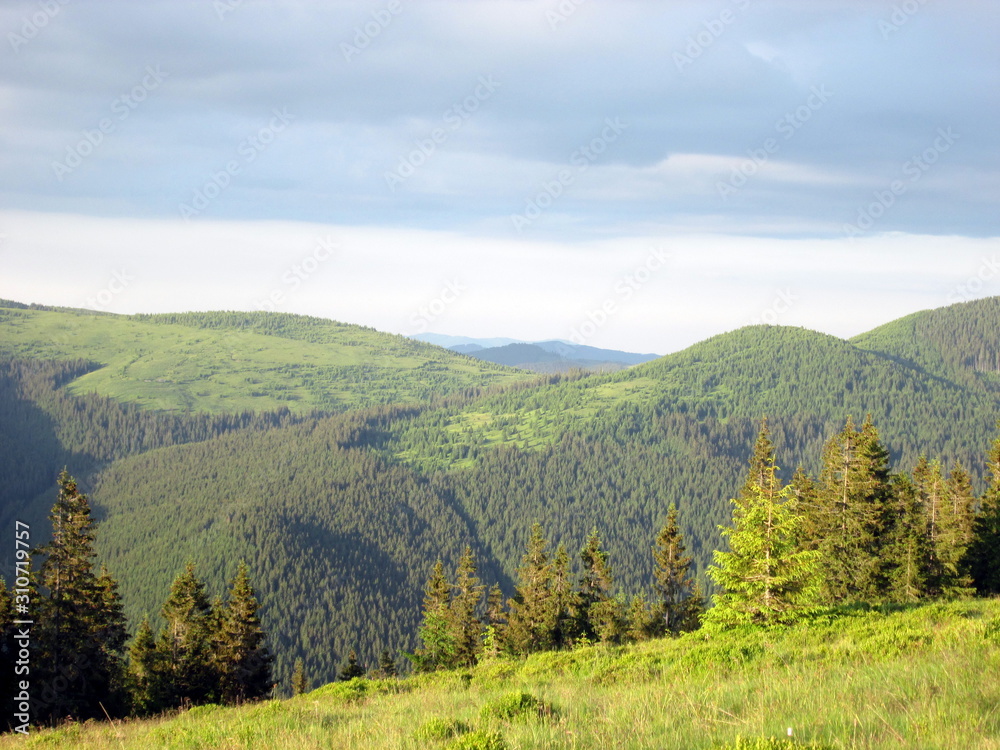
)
(919, 677)
(230, 362)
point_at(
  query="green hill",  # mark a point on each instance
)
(342, 516)
(233, 362)
(912, 678)
(959, 343)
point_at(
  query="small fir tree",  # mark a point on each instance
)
(438, 647)
(300, 683)
(350, 669)
(678, 608)
(765, 578)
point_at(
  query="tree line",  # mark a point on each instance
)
(859, 533)
(463, 622)
(75, 663)
(856, 532)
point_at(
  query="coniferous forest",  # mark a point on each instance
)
(205, 554)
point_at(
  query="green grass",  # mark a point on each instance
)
(218, 362)
(921, 677)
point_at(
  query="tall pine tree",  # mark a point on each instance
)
(466, 629)
(242, 658)
(678, 607)
(532, 612)
(982, 559)
(81, 629)
(185, 644)
(850, 516)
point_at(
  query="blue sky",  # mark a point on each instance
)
(640, 174)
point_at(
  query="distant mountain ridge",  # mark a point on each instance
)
(550, 356)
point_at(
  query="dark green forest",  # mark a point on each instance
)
(342, 514)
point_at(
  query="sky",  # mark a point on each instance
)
(629, 175)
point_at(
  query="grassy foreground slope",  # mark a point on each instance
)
(231, 362)
(921, 677)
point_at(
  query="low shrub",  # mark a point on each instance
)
(516, 706)
(772, 743)
(479, 740)
(440, 728)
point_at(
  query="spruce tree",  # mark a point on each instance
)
(350, 669)
(81, 629)
(642, 623)
(907, 549)
(594, 615)
(532, 613)
(147, 672)
(387, 665)
(956, 533)
(766, 579)
(242, 658)
(185, 643)
(848, 522)
(982, 559)
(761, 464)
(300, 684)
(678, 609)
(565, 601)
(438, 647)
(466, 629)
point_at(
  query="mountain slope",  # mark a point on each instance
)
(812, 379)
(231, 362)
(959, 343)
(904, 678)
(358, 506)
(339, 543)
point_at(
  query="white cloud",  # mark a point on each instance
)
(523, 289)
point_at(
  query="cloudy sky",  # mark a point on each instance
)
(635, 175)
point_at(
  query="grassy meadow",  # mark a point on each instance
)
(919, 677)
(205, 363)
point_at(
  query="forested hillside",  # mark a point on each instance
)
(390, 454)
(233, 362)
